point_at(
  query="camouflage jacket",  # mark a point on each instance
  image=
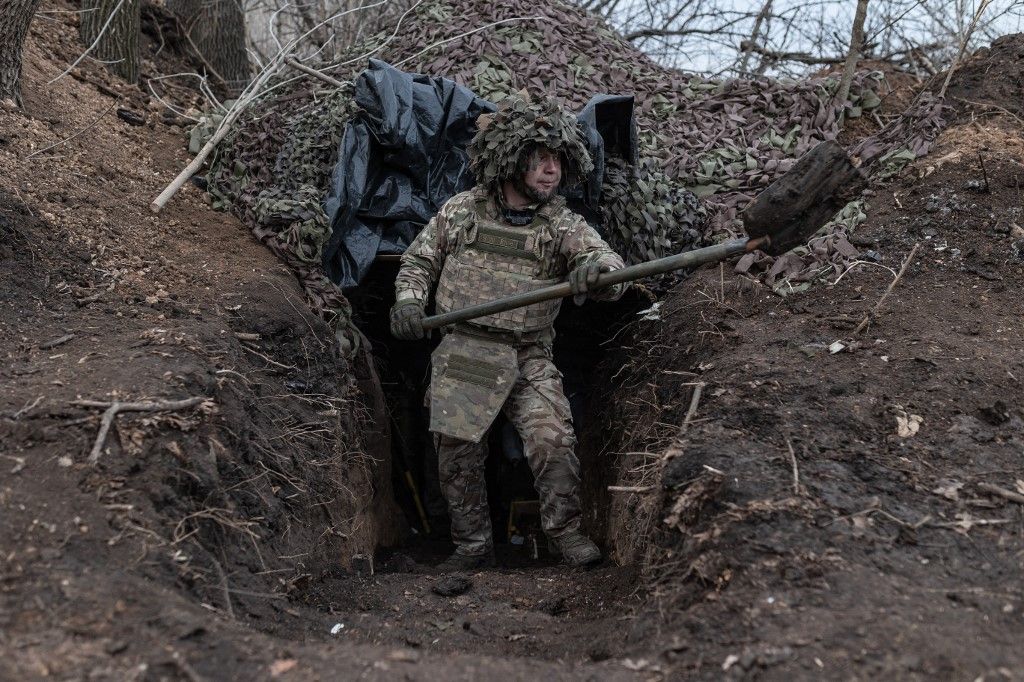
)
(573, 243)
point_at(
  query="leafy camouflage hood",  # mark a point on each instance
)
(505, 139)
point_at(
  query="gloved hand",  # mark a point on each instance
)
(583, 279)
(407, 320)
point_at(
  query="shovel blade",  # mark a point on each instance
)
(791, 209)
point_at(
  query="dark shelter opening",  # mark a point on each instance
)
(584, 334)
(402, 156)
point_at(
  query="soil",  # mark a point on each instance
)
(783, 527)
(830, 543)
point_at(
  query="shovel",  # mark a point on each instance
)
(782, 217)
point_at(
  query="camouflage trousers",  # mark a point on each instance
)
(539, 410)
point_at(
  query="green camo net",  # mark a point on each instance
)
(721, 140)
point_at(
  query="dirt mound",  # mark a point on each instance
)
(832, 491)
(992, 77)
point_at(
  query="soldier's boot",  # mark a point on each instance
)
(466, 562)
(577, 549)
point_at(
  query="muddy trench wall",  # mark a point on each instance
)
(282, 470)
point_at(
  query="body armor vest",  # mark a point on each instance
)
(494, 260)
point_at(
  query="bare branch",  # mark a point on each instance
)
(99, 36)
(963, 45)
(765, 12)
(856, 38)
(114, 407)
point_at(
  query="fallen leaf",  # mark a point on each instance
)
(964, 522)
(281, 666)
(639, 664)
(652, 313)
(861, 522)
(950, 490)
(907, 425)
(403, 656)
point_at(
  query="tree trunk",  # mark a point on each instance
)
(15, 16)
(118, 43)
(216, 29)
(856, 39)
(747, 48)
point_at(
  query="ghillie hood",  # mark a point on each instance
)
(505, 140)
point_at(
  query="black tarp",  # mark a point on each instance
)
(404, 155)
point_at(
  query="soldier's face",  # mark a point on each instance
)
(543, 174)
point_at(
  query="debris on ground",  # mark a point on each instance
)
(451, 586)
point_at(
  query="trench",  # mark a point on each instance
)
(529, 604)
(584, 337)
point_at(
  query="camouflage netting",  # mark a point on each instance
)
(724, 140)
(646, 214)
(272, 173)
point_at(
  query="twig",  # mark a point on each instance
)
(380, 46)
(168, 105)
(53, 343)
(966, 525)
(1001, 492)
(1000, 109)
(878, 510)
(296, 64)
(860, 262)
(984, 173)
(186, 669)
(248, 95)
(224, 586)
(963, 46)
(874, 311)
(28, 408)
(630, 488)
(698, 389)
(110, 18)
(273, 362)
(796, 469)
(68, 139)
(113, 408)
(199, 53)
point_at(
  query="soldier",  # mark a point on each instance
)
(509, 234)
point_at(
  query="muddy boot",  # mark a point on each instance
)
(465, 562)
(577, 549)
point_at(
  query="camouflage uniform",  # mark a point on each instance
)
(527, 388)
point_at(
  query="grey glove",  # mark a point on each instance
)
(583, 279)
(407, 320)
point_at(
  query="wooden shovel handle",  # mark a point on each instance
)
(710, 254)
